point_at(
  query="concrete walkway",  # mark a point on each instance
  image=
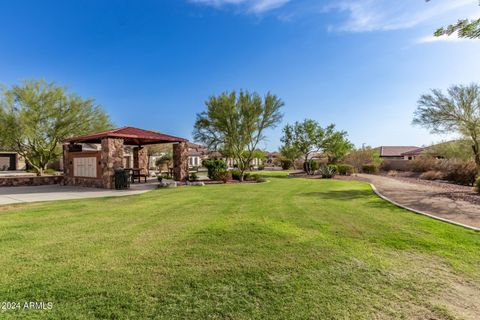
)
(12, 195)
(428, 199)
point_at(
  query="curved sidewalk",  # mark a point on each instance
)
(12, 195)
(428, 200)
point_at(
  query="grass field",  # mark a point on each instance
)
(287, 249)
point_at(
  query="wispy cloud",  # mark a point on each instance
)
(384, 15)
(250, 6)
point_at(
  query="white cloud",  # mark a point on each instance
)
(384, 15)
(252, 6)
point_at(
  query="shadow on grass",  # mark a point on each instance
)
(370, 199)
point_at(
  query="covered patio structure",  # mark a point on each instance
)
(97, 168)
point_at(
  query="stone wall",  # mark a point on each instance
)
(140, 158)
(111, 159)
(180, 161)
(82, 182)
(30, 181)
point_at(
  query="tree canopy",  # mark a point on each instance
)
(465, 28)
(236, 122)
(36, 116)
(308, 137)
(457, 111)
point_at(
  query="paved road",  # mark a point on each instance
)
(429, 199)
(11, 195)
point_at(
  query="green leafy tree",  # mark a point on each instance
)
(363, 156)
(236, 123)
(164, 161)
(36, 116)
(308, 137)
(457, 111)
(465, 28)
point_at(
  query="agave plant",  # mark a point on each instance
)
(328, 171)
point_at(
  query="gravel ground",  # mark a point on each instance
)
(454, 202)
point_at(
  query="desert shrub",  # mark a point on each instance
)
(256, 177)
(214, 168)
(224, 176)
(261, 167)
(328, 171)
(310, 166)
(392, 173)
(360, 157)
(422, 164)
(370, 168)
(345, 169)
(236, 174)
(477, 185)
(286, 164)
(458, 171)
(432, 175)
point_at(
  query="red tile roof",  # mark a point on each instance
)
(130, 135)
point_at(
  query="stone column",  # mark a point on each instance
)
(140, 158)
(180, 161)
(111, 159)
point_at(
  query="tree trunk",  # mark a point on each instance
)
(476, 152)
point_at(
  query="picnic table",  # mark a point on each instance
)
(136, 173)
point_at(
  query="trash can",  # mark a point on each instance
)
(122, 180)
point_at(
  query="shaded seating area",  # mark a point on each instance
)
(97, 168)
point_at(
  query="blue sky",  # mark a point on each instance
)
(361, 64)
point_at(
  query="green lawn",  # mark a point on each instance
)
(287, 249)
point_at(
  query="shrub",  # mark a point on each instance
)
(214, 167)
(310, 166)
(224, 176)
(256, 177)
(458, 171)
(328, 171)
(370, 168)
(432, 175)
(193, 176)
(345, 169)
(422, 164)
(477, 185)
(286, 164)
(236, 174)
(392, 173)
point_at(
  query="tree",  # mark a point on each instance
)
(236, 123)
(36, 116)
(465, 28)
(164, 161)
(289, 155)
(156, 149)
(308, 137)
(363, 156)
(458, 111)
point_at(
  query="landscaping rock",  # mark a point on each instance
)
(167, 184)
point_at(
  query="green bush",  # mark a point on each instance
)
(214, 167)
(193, 176)
(286, 164)
(261, 167)
(477, 185)
(310, 166)
(345, 169)
(236, 174)
(370, 168)
(256, 178)
(328, 171)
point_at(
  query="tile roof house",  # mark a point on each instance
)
(395, 152)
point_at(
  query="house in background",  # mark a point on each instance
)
(11, 161)
(196, 154)
(396, 152)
